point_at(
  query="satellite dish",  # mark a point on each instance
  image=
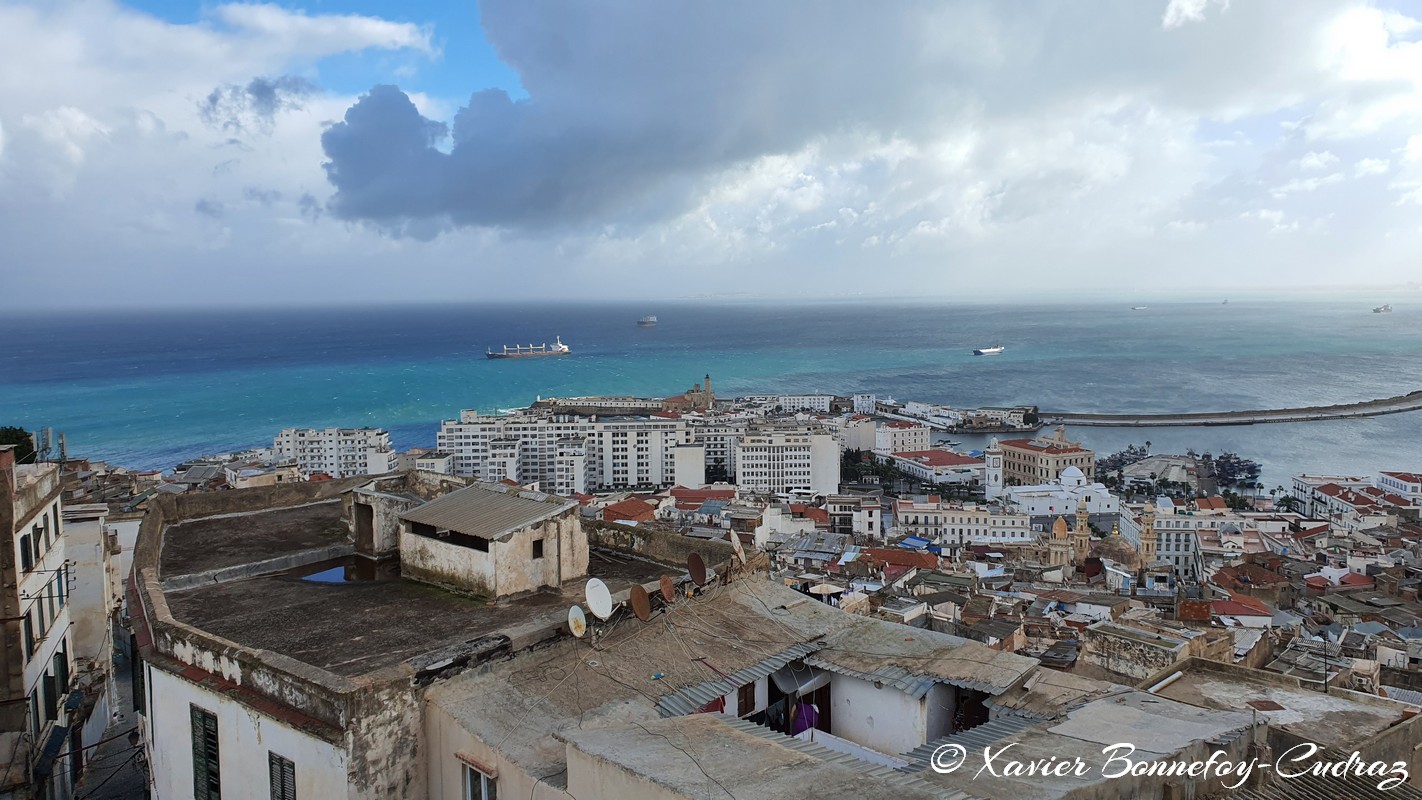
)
(641, 603)
(577, 622)
(697, 567)
(738, 547)
(599, 599)
(668, 589)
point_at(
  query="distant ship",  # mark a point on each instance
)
(532, 350)
(1139, 308)
(1383, 309)
(1226, 302)
(647, 321)
(989, 351)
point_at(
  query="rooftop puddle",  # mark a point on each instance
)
(351, 569)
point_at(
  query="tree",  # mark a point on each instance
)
(24, 446)
(1289, 503)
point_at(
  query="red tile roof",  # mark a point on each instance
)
(899, 557)
(633, 510)
(1029, 444)
(1405, 477)
(939, 458)
(893, 572)
(681, 493)
(1233, 608)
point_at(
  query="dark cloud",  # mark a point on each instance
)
(254, 106)
(210, 208)
(633, 107)
(265, 197)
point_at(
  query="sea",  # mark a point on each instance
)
(151, 389)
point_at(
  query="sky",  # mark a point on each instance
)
(157, 153)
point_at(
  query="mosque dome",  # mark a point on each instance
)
(1072, 476)
(1116, 548)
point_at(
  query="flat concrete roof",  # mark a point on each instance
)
(230, 540)
(1340, 718)
(356, 627)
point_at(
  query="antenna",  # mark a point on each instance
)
(668, 589)
(697, 567)
(599, 598)
(577, 621)
(641, 603)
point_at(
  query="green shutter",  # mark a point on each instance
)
(207, 775)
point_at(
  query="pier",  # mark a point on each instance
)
(1367, 408)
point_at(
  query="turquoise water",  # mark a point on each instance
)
(147, 390)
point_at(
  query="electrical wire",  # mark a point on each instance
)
(138, 752)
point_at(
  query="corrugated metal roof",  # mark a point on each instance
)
(689, 699)
(915, 686)
(491, 513)
(972, 739)
(900, 778)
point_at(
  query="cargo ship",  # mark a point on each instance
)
(1383, 309)
(647, 321)
(532, 350)
(989, 351)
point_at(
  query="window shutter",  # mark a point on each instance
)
(207, 777)
(199, 756)
(281, 773)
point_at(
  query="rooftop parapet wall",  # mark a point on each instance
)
(661, 546)
(36, 486)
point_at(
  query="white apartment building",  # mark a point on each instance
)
(36, 672)
(805, 402)
(780, 461)
(1403, 484)
(865, 404)
(340, 452)
(1313, 504)
(960, 524)
(565, 453)
(897, 436)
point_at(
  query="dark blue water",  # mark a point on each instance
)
(147, 390)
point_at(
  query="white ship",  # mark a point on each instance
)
(989, 351)
(647, 321)
(1139, 308)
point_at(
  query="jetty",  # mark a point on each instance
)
(1367, 408)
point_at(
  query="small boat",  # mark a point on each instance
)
(989, 351)
(1383, 309)
(1139, 308)
(532, 350)
(647, 321)
(1226, 302)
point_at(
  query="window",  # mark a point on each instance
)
(538, 548)
(29, 636)
(478, 786)
(745, 700)
(27, 560)
(207, 776)
(281, 773)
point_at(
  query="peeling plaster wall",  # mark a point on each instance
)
(1125, 656)
(460, 568)
(244, 739)
(447, 741)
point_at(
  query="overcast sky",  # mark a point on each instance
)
(340, 151)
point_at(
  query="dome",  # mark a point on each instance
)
(1072, 476)
(1116, 548)
(1059, 528)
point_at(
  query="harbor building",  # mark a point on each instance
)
(898, 436)
(1044, 459)
(338, 452)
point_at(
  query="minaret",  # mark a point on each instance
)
(1148, 540)
(992, 470)
(1081, 534)
(1059, 548)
